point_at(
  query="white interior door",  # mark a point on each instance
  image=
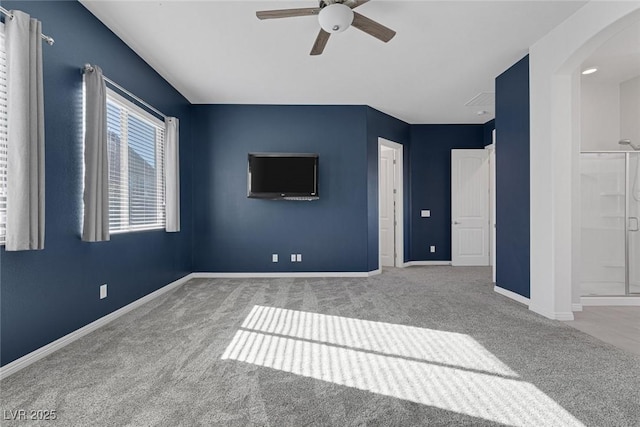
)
(387, 210)
(470, 207)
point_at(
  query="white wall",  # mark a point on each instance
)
(555, 147)
(600, 115)
(630, 110)
(610, 111)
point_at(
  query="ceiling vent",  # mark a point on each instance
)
(483, 99)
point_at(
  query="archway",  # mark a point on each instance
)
(554, 148)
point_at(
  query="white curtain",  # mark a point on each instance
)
(172, 174)
(25, 153)
(95, 227)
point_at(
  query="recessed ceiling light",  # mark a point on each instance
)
(589, 71)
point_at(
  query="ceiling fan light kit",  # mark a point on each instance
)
(334, 16)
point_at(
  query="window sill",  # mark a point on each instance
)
(136, 230)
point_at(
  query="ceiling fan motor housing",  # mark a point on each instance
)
(335, 18)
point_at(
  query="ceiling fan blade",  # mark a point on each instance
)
(320, 43)
(287, 13)
(373, 28)
(355, 3)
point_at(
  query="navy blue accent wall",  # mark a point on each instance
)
(512, 179)
(50, 293)
(430, 166)
(380, 125)
(487, 129)
(237, 234)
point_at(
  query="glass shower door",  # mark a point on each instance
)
(603, 224)
(633, 226)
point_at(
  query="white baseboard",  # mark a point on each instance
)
(553, 315)
(412, 263)
(34, 356)
(510, 294)
(526, 301)
(564, 316)
(612, 301)
(266, 275)
(542, 312)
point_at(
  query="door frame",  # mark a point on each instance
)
(492, 205)
(399, 211)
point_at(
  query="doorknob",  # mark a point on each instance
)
(637, 226)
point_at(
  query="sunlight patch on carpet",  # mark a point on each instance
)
(442, 369)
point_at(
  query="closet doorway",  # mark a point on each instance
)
(390, 204)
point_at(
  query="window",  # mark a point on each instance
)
(135, 140)
(3, 138)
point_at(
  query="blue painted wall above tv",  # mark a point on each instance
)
(237, 234)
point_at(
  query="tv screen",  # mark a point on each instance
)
(288, 176)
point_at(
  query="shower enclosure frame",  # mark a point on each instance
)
(627, 215)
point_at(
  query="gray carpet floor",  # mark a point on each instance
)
(410, 347)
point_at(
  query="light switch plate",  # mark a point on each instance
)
(299, 257)
(293, 257)
(103, 291)
(432, 249)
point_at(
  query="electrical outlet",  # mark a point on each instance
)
(293, 257)
(299, 257)
(274, 258)
(432, 249)
(103, 291)
(425, 213)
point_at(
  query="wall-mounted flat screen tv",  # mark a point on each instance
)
(283, 176)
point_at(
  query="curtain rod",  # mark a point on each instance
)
(44, 37)
(89, 68)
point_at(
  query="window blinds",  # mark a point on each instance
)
(135, 141)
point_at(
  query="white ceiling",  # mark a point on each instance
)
(617, 59)
(444, 54)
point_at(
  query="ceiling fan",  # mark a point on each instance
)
(334, 16)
